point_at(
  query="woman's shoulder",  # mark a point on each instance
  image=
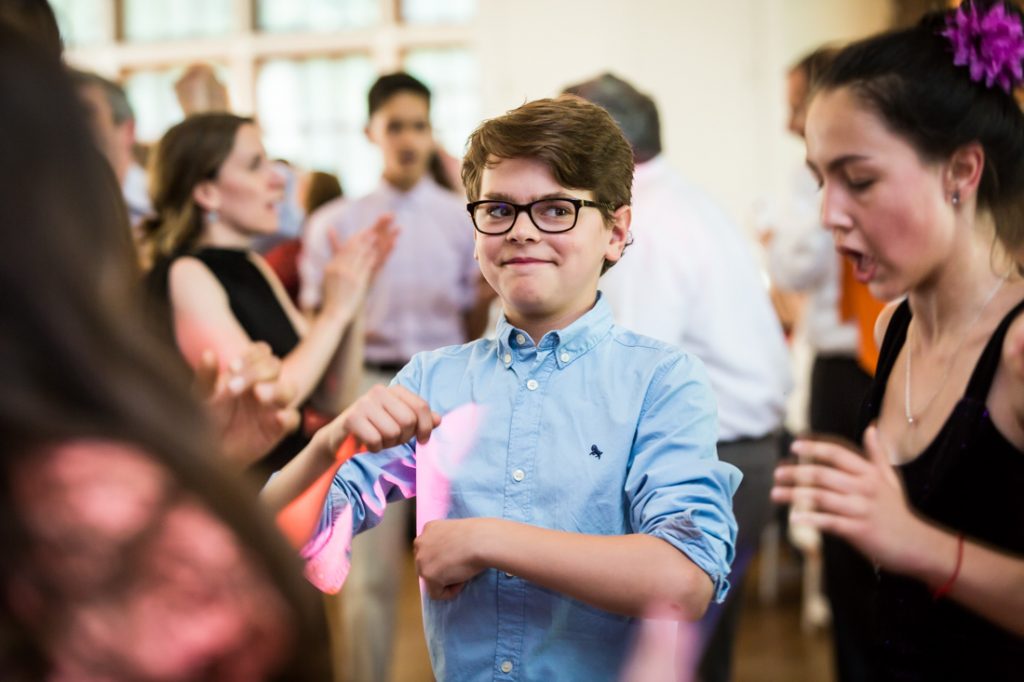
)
(884, 319)
(189, 279)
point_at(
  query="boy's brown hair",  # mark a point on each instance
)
(577, 140)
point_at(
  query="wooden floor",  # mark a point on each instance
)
(770, 647)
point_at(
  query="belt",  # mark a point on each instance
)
(384, 367)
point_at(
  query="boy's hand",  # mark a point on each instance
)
(448, 555)
(383, 418)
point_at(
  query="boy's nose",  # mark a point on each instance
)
(523, 228)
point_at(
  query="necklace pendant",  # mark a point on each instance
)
(911, 421)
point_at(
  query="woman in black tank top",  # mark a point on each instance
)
(918, 145)
(214, 191)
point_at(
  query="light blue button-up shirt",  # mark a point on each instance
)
(594, 430)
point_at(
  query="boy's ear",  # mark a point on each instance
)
(206, 195)
(618, 235)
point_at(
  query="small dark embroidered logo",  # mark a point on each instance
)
(594, 452)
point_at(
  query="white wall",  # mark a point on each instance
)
(715, 68)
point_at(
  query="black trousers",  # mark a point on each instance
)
(756, 458)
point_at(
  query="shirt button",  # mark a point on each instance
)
(518, 475)
(507, 358)
(520, 339)
(532, 384)
(564, 357)
(506, 666)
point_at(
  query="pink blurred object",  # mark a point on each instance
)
(439, 459)
(665, 649)
(326, 555)
(298, 520)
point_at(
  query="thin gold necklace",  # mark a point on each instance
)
(907, 412)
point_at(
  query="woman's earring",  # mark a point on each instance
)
(213, 216)
(956, 198)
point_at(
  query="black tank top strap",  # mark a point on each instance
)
(892, 343)
(985, 371)
(895, 337)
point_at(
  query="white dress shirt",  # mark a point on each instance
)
(690, 279)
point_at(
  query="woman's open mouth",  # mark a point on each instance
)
(864, 266)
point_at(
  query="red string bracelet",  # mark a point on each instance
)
(942, 591)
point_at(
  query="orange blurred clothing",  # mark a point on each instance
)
(857, 305)
(145, 582)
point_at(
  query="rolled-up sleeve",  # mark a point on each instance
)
(365, 485)
(677, 488)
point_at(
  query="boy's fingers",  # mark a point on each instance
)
(365, 432)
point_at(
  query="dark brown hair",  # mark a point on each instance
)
(909, 79)
(79, 361)
(189, 153)
(577, 140)
(322, 187)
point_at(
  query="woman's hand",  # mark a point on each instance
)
(246, 402)
(353, 264)
(857, 498)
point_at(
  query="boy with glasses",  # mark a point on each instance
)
(593, 490)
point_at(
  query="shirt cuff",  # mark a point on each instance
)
(682, 533)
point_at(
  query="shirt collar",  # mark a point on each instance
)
(568, 344)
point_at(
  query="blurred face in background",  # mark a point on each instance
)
(796, 97)
(247, 189)
(107, 134)
(401, 128)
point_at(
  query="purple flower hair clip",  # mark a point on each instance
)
(990, 45)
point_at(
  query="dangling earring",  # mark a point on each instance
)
(211, 217)
(955, 198)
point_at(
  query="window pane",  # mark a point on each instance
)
(146, 20)
(453, 76)
(313, 112)
(278, 16)
(83, 22)
(438, 11)
(156, 106)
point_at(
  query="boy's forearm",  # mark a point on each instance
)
(299, 474)
(626, 574)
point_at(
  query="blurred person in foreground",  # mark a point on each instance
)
(128, 553)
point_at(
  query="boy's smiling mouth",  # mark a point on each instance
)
(524, 260)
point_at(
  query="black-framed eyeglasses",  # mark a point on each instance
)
(549, 215)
